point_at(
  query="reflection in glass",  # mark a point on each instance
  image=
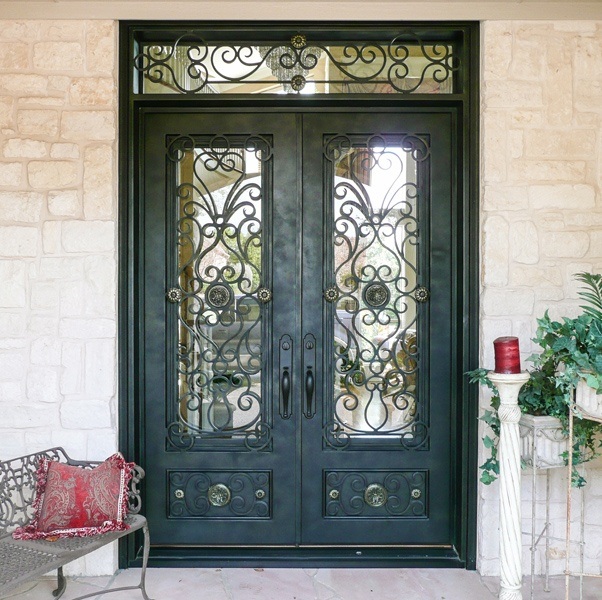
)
(218, 204)
(376, 199)
(191, 66)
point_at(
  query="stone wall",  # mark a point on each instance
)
(541, 215)
(58, 106)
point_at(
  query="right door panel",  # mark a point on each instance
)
(377, 308)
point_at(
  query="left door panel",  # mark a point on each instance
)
(220, 302)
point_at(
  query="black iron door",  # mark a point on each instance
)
(297, 328)
(376, 452)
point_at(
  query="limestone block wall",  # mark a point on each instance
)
(58, 115)
(541, 175)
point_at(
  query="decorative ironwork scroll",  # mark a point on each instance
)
(376, 197)
(219, 494)
(190, 64)
(18, 484)
(220, 294)
(376, 494)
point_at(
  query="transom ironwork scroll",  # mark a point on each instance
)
(217, 206)
(376, 201)
(406, 64)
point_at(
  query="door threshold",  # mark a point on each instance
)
(312, 557)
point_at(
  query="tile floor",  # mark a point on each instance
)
(303, 584)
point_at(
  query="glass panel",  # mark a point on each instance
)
(194, 67)
(376, 202)
(218, 202)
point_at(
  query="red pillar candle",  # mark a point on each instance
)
(507, 355)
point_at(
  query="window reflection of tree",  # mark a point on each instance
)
(203, 387)
(376, 363)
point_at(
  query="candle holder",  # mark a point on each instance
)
(507, 355)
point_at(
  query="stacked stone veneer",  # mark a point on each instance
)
(541, 217)
(58, 99)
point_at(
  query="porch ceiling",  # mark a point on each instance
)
(340, 10)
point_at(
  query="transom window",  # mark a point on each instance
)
(193, 63)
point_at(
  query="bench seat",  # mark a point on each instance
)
(27, 560)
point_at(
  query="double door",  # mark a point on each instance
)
(297, 328)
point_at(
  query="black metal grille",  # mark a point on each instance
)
(248, 494)
(405, 64)
(397, 494)
(217, 212)
(375, 202)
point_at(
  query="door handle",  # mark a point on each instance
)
(309, 392)
(286, 366)
(309, 362)
(285, 390)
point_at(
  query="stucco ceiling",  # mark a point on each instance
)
(347, 10)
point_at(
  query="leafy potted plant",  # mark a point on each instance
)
(571, 356)
(576, 344)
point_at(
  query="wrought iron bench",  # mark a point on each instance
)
(26, 560)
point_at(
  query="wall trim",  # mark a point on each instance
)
(296, 11)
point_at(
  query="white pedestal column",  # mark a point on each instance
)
(511, 574)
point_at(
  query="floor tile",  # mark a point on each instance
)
(304, 584)
(283, 584)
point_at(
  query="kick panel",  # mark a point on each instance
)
(376, 494)
(219, 494)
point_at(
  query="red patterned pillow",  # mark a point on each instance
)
(76, 502)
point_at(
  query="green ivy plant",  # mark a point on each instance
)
(576, 344)
(571, 350)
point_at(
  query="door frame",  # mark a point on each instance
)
(465, 327)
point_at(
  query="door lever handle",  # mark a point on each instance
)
(286, 367)
(309, 362)
(285, 390)
(309, 391)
